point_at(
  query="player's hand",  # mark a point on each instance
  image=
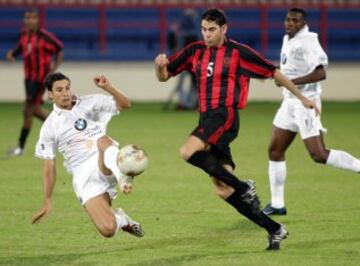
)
(101, 81)
(310, 104)
(9, 56)
(161, 60)
(42, 213)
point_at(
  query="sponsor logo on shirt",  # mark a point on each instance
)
(283, 59)
(80, 124)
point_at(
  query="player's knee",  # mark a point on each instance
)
(28, 111)
(220, 193)
(107, 229)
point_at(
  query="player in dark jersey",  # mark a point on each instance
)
(223, 69)
(38, 47)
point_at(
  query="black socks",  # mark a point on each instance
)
(211, 165)
(23, 136)
(258, 217)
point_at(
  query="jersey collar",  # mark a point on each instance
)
(223, 45)
(303, 31)
(59, 110)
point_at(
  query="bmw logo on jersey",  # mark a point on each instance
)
(80, 124)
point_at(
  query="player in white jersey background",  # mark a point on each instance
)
(77, 129)
(304, 62)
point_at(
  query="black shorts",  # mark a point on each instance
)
(34, 91)
(219, 128)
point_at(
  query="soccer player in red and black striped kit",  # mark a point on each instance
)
(38, 47)
(223, 69)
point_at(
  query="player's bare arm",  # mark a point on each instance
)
(318, 74)
(49, 179)
(161, 62)
(58, 60)
(121, 100)
(288, 84)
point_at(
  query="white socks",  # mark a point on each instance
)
(343, 160)
(110, 161)
(277, 178)
(277, 173)
(120, 218)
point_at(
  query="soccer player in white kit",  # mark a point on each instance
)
(304, 62)
(77, 128)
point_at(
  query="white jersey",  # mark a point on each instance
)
(300, 56)
(74, 132)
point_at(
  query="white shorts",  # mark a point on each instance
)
(89, 182)
(294, 116)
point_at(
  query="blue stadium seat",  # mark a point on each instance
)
(134, 33)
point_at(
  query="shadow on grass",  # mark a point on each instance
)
(55, 259)
(241, 226)
(186, 259)
(76, 258)
(301, 245)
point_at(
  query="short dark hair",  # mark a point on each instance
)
(52, 78)
(299, 10)
(216, 15)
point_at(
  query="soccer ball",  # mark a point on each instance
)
(132, 160)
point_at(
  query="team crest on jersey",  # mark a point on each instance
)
(227, 61)
(80, 124)
(283, 59)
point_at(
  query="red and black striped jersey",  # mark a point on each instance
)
(37, 49)
(223, 73)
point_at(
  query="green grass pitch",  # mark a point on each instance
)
(185, 223)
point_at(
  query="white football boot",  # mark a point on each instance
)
(132, 227)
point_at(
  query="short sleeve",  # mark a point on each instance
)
(105, 107)
(314, 55)
(52, 42)
(253, 65)
(182, 60)
(46, 145)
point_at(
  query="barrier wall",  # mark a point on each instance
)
(137, 80)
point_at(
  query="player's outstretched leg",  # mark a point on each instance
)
(244, 198)
(132, 227)
(343, 160)
(211, 165)
(248, 204)
(108, 161)
(109, 221)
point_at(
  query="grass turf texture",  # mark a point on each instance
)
(185, 223)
